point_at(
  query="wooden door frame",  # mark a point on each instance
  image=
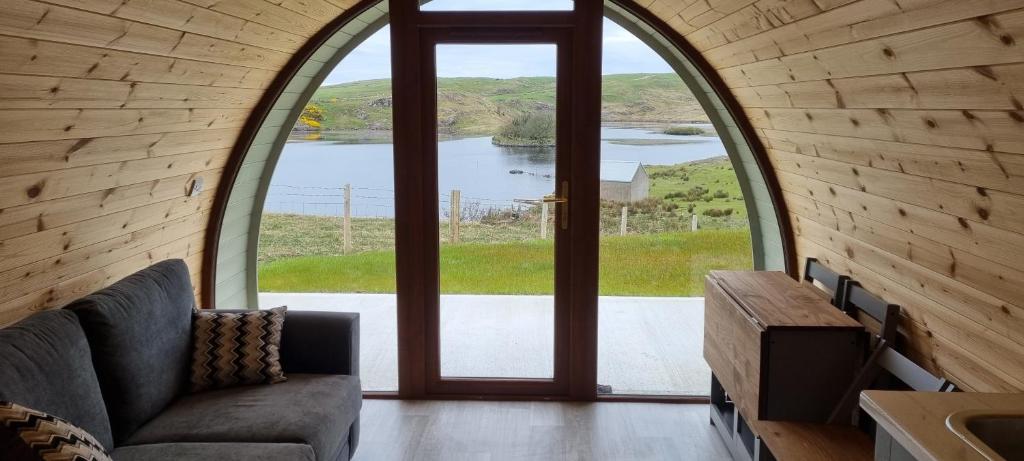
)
(431, 37)
(414, 36)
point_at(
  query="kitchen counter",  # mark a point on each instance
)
(917, 420)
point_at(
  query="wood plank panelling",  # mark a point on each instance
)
(30, 92)
(109, 110)
(993, 170)
(33, 19)
(26, 219)
(896, 130)
(187, 17)
(38, 57)
(984, 41)
(856, 21)
(23, 125)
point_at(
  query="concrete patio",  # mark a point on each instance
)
(646, 345)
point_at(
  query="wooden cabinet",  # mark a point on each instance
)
(777, 347)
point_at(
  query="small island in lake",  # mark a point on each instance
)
(684, 131)
(535, 129)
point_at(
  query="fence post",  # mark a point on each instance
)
(346, 224)
(622, 222)
(456, 209)
(543, 220)
(693, 223)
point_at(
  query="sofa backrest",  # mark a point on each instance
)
(45, 365)
(140, 333)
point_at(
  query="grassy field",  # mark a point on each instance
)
(659, 256)
(480, 106)
(669, 264)
(678, 184)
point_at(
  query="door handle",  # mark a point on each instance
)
(562, 201)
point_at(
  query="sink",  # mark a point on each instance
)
(996, 436)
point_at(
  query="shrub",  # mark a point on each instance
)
(721, 194)
(312, 115)
(675, 171)
(647, 205)
(692, 195)
(536, 129)
(717, 213)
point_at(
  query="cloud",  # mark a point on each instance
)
(496, 61)
(622, 53)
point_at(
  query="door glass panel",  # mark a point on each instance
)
(671, 211)
(497, 5)
(496, 160)
(327, 233)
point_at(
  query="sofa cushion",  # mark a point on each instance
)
(233, 348)
(215, 452)
(313, 409)
(45, 365)
(33, 435)
(140, 333)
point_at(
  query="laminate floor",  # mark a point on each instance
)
(491, 431)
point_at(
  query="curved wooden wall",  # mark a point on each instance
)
(896, 128)
(109, 109)
(897, 133)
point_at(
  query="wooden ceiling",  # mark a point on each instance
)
(896, 128)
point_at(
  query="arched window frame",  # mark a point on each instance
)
(230, 278)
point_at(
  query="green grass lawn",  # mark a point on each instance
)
(668, 264)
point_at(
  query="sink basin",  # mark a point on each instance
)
(996, 436)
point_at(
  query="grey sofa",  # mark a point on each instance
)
(116, 363)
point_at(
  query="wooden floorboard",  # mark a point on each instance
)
(467, 430)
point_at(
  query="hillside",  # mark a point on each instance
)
(483, 105)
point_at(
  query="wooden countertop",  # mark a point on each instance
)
(917, 420)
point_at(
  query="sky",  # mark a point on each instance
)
(623, 53)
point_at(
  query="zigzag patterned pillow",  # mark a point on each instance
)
(230, 349)
(27, 434)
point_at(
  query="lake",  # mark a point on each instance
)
(310, 174)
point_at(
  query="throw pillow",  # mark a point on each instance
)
(230, 349)
(32, 435)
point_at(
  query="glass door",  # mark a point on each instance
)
(497, 186)
(496, 140)
(502, 179)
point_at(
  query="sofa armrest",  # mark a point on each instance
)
(320, 342)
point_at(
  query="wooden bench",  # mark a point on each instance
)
(795, 441)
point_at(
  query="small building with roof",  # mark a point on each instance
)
(624, 181)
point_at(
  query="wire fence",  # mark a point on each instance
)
(325, 221)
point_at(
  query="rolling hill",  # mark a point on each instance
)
(482, 105)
